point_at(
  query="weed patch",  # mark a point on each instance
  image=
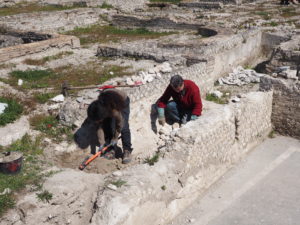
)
(44, 196)
(119, 183)
(106, 6)
(103, 34)
(212, 98)
(49, 126)
(32, 7)
(12, 112)
(271, 134)
(42, 61)
(152, 160)
(43, 97)
(89, 74)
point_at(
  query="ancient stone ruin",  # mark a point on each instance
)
(245, 58)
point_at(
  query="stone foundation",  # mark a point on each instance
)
(286, 104)
(58, 42)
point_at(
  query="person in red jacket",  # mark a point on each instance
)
(186, 104)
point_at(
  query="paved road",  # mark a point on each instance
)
(264, 189)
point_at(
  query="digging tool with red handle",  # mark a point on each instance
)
(88, 160)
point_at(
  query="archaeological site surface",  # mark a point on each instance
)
(244, 55)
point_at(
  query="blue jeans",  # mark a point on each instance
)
(174, 113)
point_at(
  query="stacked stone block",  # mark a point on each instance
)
(53, 21)
(58, 41)
(286, 104)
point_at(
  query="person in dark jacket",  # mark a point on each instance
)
(112, 109)
(186, 102)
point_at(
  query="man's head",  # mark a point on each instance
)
(97, 112)
(177, 83)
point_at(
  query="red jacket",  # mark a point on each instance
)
(191, 99)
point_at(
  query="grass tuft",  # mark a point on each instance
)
(212, 98)
(44, 196)
(43, 97)
(25, 7)
(49, 126)
(103, 34)
(152, 160)
(12, 112)
(105, 5)
(39, 62)
(119, 183)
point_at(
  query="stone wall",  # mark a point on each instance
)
(54, 21)
(58, 42)
(241, 49)
(195, 157)
(286, 104)
(286, 54)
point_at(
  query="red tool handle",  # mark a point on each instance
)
(90, 159)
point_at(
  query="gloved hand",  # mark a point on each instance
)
(113, 141)
(162, 120)
(161, 116)
(194, 117)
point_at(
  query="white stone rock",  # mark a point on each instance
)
(79, 99)
(235, 99)
(111, 73)
(129, 81)
(165, 67)
(217, 94)
(151, 71)
(117, 173)
(20, 82)
(54, 106)
(3, 106)
(6, 191)
(58, 98)
(112, 187)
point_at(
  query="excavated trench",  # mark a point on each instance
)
(103, 166)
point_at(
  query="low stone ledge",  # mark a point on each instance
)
(195, 157)
(14, 131)
(286, 104)
(58, 41)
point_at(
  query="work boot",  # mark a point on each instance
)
(126, 157)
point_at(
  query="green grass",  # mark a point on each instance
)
(212, 98)
(32, 78)
(106, 6)
(42, 61)
(32, 7)
(12, 112)
(152, 160)
(92, 73)
(44, 196)
(30, 173)
(271, 134)
(103, 34)
(167, 1)
(44, 97)
(163, 188)
(50, 127)
(263, 14)
(118, 183)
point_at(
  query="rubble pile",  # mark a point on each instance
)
(241, 76)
